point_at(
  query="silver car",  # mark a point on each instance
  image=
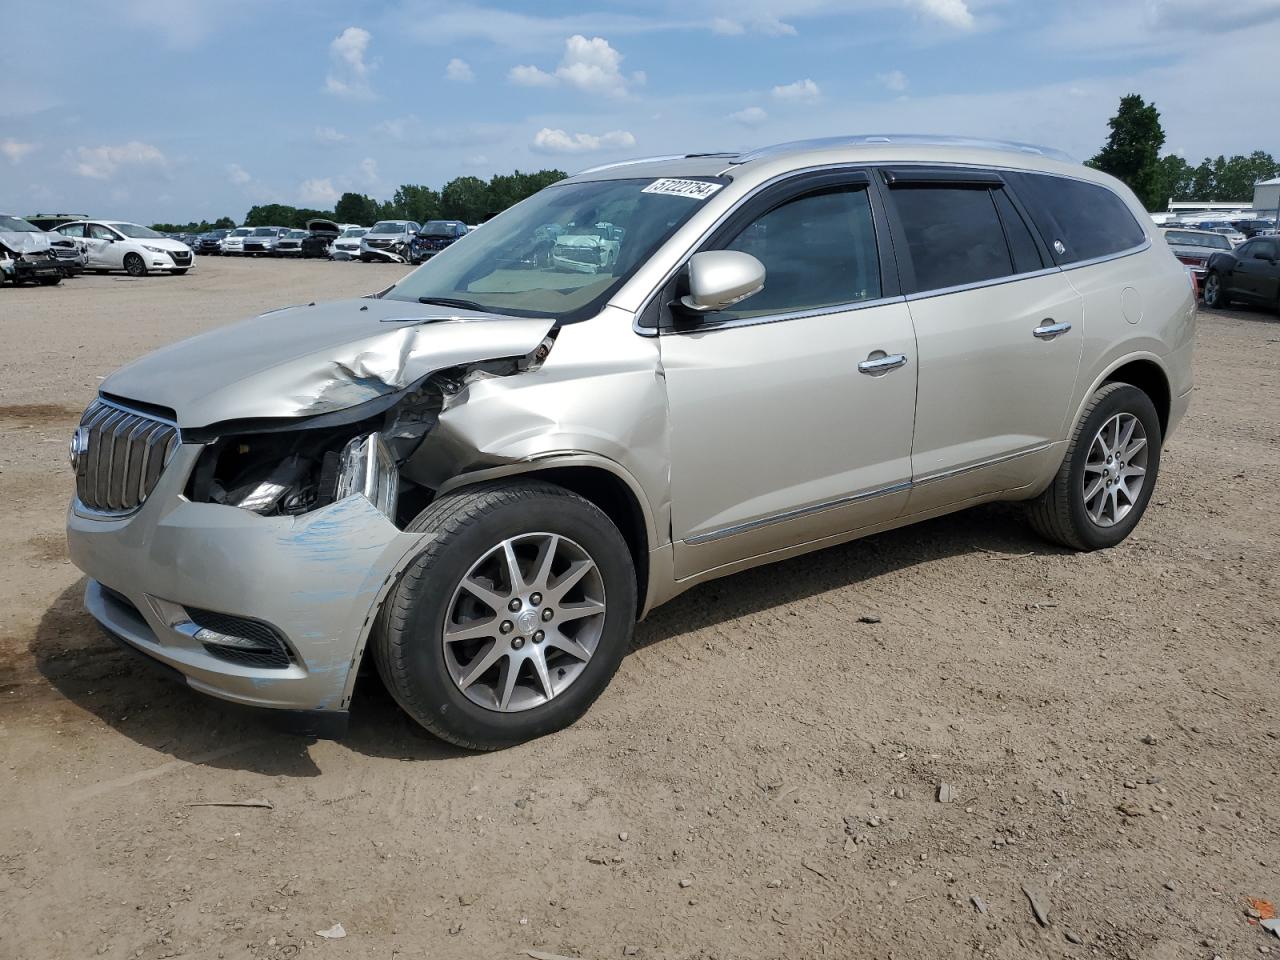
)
(484, 474)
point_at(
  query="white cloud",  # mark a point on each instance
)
(894, 80)
(750, 117)
(727, 28)
(319, 192)
(349, 72)
(238, 174)
(802, 91)
(591, 65)
(547, 140)
(530, 76)
(459, 71)
(102, 163)
(15, 150)
(953, 13)
(766, 24)
(330, 135)
(369, 169)
(398, 128)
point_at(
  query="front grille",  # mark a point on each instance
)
(270, 649)
(180, 256)
(124, 458)
(379, 243)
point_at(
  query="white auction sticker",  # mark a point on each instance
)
(693, 189)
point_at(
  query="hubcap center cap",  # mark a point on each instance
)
(527, 620)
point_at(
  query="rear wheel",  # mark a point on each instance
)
(134, 265)
(1107, 476)
(1215, 292)
(514, 617)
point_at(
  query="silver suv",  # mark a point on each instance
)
(487, 472)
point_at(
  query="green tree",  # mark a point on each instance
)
(464, 198)
(1132, 150)
(356, 208)
(416, 202)
(1173, 178)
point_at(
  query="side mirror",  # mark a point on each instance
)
(720, 278)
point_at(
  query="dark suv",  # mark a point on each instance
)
(434, 236)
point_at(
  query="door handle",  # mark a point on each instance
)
(1048, 330)
(875, 366)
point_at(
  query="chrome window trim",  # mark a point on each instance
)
(1094, 261)
(979, 284)
(779, 317)
(796, 514)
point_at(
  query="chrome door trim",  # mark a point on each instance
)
(1119, 254)
(882, 365)
(796, 514)
(1051, 331)
(777, 317)
(958, 471)
(980, 284)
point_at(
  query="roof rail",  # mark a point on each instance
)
(917, 139)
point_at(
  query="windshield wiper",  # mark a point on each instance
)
(452, 302)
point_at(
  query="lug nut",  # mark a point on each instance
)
(535, 598)
(538, 636)
(514, 605)
(547, 614)
(506, 627)
(517, 643)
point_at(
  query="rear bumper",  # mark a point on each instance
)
(316, 579)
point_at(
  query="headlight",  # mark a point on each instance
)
(368, 468)
(154, 249)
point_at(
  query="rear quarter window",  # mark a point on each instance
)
(1079, 220)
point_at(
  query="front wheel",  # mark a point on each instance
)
(1215, 292)
(1106, 478)
(134, 265)
(514, 617)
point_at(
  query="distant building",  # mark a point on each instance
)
(1208, 206)
(1266, 195)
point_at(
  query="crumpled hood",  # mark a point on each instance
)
(24, 242)
(307, 360)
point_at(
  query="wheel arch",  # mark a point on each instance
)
(1142, 370)
(598, 480)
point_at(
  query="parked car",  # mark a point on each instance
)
(1232, 234)
(1195, 247)
(320, 236)
(70, 253)
(590, 249)
(131, 247)
(1252, 227)
(347, 246)
(388, 239)
(483, 474)
(263, 241)
(233, 243)
(1248, 274)
(434, 236)
(50, 221)
(290, 243)
(210, 243)
(26, 255)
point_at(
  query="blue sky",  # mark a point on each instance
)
(169, 111)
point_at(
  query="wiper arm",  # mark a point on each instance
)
(452, 302)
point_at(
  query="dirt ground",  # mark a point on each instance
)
(759, 781)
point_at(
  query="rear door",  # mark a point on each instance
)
(791, 412)
(999, 330)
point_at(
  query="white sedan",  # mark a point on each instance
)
(131, 247)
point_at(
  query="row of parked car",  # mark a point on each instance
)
(1226, 272)
(31, 254)
(404, 241)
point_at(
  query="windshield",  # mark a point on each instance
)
(265, 232)
(561, 253)
(1182, 239)
(439, 228)
(14, 225)
(241, 232)
(297, 234)
(136, 231)
(354, 232)
(388, 226)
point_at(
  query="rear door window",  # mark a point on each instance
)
(1079, 220)
(953, 233)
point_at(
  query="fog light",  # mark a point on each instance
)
(205, 635)
(368, 469)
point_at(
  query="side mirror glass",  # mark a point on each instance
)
(720, 278)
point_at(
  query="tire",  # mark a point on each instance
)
(470, 526)
(179, 273)
(1061, 514)
(134, 265)
(1215, 292)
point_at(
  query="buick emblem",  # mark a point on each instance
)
(79, 447)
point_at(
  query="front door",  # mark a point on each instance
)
(791, 413)
(1000, 337)
(105, 251)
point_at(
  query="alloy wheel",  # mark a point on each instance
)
(524, 622)
(1115, 470)
(1212, 289)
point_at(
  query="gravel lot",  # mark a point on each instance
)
(759, 781)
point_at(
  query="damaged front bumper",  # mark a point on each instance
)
(184, 583)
